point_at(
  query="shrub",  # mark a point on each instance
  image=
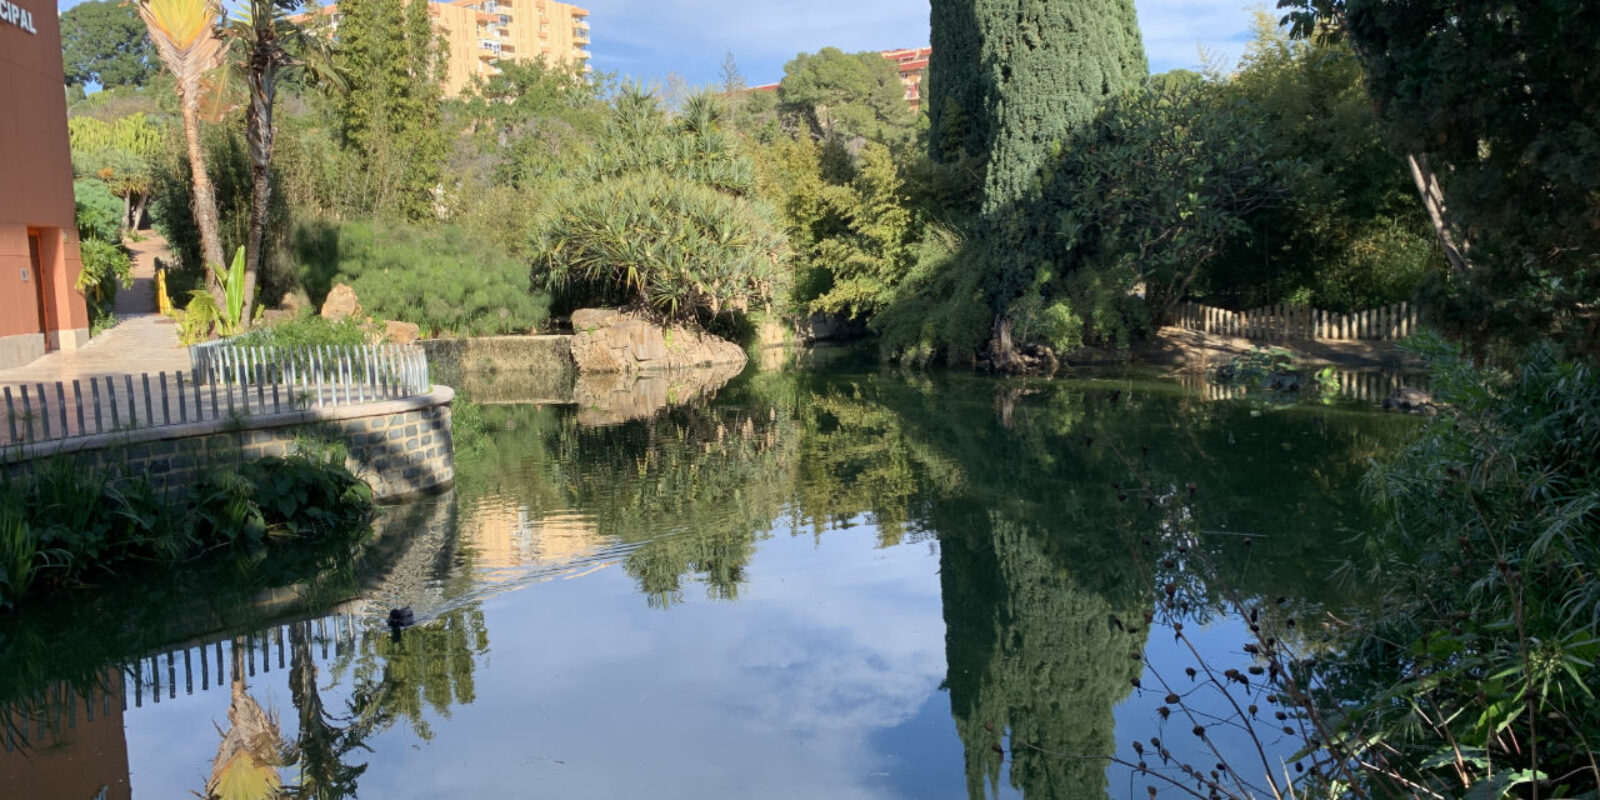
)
(441, 278)
(106, 267)
(664, 219)
(1483, 662)
(674, 246)
(99, 211)
(65, 524)
(308, 330)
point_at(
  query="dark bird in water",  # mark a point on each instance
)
(1116, 395)
(402, 618)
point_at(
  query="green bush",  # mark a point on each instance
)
(675, 246)
(1483, 660)
(99, 211)
(441, 278)
(306, 331)
(64, 524)
(106, 268)
(663, 220)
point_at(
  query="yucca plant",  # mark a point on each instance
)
(185, 34)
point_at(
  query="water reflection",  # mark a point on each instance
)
(825, 585)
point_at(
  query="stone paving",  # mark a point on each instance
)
(141, 342)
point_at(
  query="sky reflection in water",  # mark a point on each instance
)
(846, 586)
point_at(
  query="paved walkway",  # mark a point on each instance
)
(142, 340)
(140, 298)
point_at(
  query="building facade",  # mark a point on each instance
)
(482, 33)
(913, 66)
(479, 34)
(40, 308)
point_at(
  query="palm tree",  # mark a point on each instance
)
(185, 34)
(271, 42)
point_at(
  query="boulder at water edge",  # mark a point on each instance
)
(607, 341)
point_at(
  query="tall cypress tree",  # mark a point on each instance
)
(1013, 82)
(1013, 79)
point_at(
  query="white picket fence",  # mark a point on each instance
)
(227, 381)
(1284, 321)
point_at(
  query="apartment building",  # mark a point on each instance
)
(479, 34)
(913, 66)
(40, 307)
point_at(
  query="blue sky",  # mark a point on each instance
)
(648, 39)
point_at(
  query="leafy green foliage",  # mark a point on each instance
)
(1498, 102)
(1160, 182)
(81, 524)
(99, 211)
(833, 94)
(106, 268)
(1491, 603)
(441, 278)
(662, 219)
(104, 42)
(308, 330)
(390, 116)
(1350, 233)
(676, 247)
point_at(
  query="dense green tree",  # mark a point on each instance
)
(1497, 109)
(859, 241)
(847, 95)
(1013, 83)
(104, 42)
(1350, 234)
(119, 153)
(391, 115)
(1026, 75)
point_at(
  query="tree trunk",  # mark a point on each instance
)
(138, 210)
(1433, 200)
(262, 81)
(205, 196)
(1002, 348)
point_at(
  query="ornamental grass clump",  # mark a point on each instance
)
(663, 220)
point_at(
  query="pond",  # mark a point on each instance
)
(836, 584)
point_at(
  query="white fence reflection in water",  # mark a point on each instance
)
(1367, 387)
(226, 382)
(168, 674)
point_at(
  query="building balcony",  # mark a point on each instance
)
(580, 36)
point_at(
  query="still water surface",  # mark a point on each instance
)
(811, 586)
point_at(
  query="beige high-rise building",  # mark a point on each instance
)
(479, 34)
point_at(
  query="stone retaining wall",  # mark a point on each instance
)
(401, 447)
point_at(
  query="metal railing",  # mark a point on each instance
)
(226, 381)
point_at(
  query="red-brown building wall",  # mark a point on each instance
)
(39, 308)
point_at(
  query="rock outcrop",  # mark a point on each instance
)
(340, 304)
(401, 332)
(608, 341)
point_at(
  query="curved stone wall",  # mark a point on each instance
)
(401, 447)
